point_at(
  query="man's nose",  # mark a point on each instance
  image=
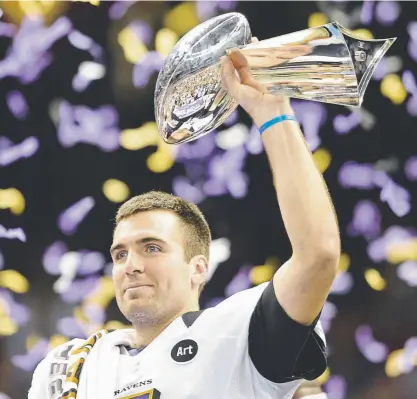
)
(134, 264)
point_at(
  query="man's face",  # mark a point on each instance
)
(152, 280)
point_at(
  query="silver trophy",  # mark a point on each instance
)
(326, 64)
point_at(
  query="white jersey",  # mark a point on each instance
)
(203, 355)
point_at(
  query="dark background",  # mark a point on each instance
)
(56, 177)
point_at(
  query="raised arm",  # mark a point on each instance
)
(303, 283)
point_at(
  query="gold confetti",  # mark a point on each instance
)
(392, 364)
(262, 273)
(322, 159)
(147, 135)
(182, 18)
(344, 263)
(165, 40)
(31, 341)
(92, 2)
(363, 33)
(374, 279)
(7, 326)
(392, 87)
(403, 251)
(116, 190)
(57, 340)
(14, 281)
(103, 295)
(134, 49)
(12, 199)
(324, 377)
(317, 19)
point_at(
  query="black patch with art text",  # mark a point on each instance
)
(184, 351)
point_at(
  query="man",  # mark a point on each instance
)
(259, 343)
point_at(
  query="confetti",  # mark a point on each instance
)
(17, 104)
(115, 190)
(69, 220)
(372, 350)
(28, 55)
(81, 124)
(12, 234)
(25, 149)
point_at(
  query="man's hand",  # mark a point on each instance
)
(250, 94)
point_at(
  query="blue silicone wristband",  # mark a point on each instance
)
(275, 120)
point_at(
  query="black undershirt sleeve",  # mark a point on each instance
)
(280, 348)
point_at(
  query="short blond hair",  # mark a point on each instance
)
(197, 235)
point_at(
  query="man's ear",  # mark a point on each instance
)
(200, 269)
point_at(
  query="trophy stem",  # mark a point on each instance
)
(326, 64)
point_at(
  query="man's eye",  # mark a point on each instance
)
(119, 255)
(152, 248)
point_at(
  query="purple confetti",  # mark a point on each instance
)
(83, 42)
(374, 351)
(367, 12)
(410, 168)
(95, 314)
(118, 9)
(80, 124)
(52, 257)
(409, 81)
(412, 30)
(366, 220)
(232, 118)
(19, 313)
(17, 104)
(225, 174)
(342, 284)
(70, 327)
(412, 105)
(182, 187)
(311, 116)
(387, 12)
(407, 272)
(7, 30)
(354, 175)
(328, 313)
(29, 361)
(412, 49)
(336, 387)
(196, 150)
(254, 143)
(12, 234)
(29, 56)
(378, 249)
(142, 71)
(241, 281)
(214, 302)
(25, 149)
(143, 31)
(344, 124)
(79, 289)
(208, 9)
(397, 198)
(91, 262)
(70, 219)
